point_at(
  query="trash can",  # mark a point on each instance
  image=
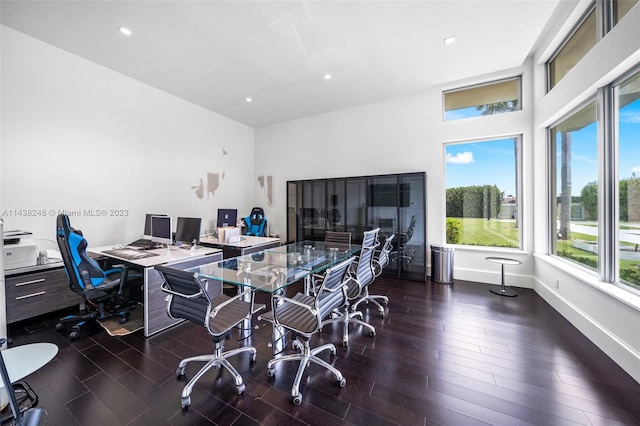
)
(442, 264)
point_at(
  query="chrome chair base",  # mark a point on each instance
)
(366, 297)
(346, 317)
(306, 356)
(217, 359)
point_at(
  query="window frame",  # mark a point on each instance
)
(592, 8)
(520, 202)
(611, 90)
(516, 78)
(552, 190)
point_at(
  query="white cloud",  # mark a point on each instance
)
(460, 158)
(635, 169)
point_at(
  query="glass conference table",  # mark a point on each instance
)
(274, 269)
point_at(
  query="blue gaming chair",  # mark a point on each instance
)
(256, 223)
(106, 292)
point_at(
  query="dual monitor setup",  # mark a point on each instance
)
(159, 229)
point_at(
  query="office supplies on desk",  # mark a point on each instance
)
(229, 235)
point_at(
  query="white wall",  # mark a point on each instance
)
(380, 138)
(74, 133)
(407, 134)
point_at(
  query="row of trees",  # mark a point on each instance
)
(474, 201)
(629, 204)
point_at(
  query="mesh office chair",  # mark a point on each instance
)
(33, 416)
(338, 238)
(202, 302)
(303, 315)
(359, 276)
(106, 292)
(256, 223)
(381, 259)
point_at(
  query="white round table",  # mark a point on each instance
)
(24, 360)
(502, 290)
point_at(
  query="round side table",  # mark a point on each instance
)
(502, 291)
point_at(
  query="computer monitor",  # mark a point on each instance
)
(188, 229)
(227, 217)
(147, 223)
(161, 229)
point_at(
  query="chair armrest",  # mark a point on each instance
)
(166, 289)
(295, 302)
(217, 308)
(334, 289)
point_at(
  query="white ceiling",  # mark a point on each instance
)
(217, 53)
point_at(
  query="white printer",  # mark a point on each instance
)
(19, 249)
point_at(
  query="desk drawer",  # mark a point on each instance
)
(37, 293)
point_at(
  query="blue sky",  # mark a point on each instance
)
(482, 163)
(492, 162)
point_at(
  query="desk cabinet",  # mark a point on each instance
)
(37, 292)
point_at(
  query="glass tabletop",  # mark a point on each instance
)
(273, 269)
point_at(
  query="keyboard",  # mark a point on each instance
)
(142, 243)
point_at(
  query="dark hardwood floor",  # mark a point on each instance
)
(443, 355)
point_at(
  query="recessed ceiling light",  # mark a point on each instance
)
(248, 99)
(125, 30)
(327, 76)
(449, 40)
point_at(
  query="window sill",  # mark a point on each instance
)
(622, 295)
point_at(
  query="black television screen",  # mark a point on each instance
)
(227, 217)
(385, 195)
(188, 229)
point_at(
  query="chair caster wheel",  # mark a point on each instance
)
(297, 400)
(253, 358)
(60, 327)
(345, 343)
(381, 314)
(342, 382)
(185, 401)
(180, 372)
(372, 333)
(270, 372)
(240, 389)
(385, 302)
(74, 335)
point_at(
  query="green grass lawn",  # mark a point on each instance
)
(492, 233)
(503, 233)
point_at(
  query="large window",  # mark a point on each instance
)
(585, 35)
(628, 131)
(574, 158)
(483, 194)
(576, 46)
(486, 99)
